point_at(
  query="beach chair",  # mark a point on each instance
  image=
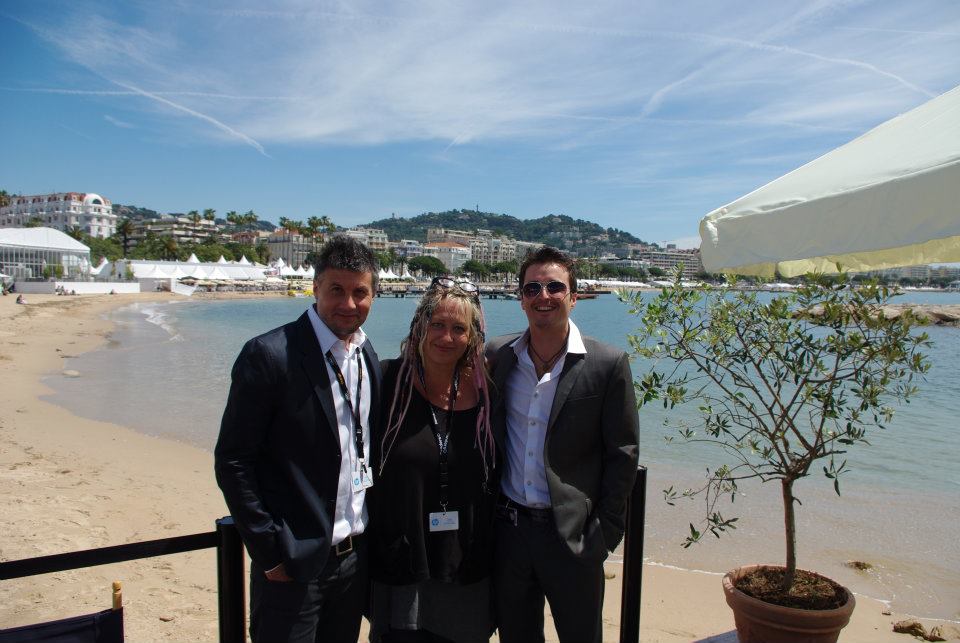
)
(99, 627)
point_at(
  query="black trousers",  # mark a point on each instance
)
(326, 609)
(533, 563)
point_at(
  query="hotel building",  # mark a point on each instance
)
(62, 211)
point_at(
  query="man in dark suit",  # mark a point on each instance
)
(566, 428)
(294, 453)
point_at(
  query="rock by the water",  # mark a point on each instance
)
(912, 627)
(944, 633)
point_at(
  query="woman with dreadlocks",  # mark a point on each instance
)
(431, 516)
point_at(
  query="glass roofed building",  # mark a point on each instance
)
(42, 253)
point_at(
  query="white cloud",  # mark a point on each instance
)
(117, 122)
(566, 74)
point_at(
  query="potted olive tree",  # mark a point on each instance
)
(785, 384)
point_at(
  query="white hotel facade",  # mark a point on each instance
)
(62, 211)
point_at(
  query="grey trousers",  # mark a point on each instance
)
(532, 563)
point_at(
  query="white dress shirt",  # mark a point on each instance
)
(350, 516)
(529, 401)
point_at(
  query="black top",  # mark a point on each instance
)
(403, 549)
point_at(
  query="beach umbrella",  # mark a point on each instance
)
(888, 198)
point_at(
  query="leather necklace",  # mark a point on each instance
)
(547, 364)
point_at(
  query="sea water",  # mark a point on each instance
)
(165, 371)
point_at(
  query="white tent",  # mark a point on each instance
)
(244, 261)
(390, 274)
(222, 260)
(888, 198)
(218, 273)
(193, 258)
(382, 274)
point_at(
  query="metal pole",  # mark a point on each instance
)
(230, 582)
(633, 560)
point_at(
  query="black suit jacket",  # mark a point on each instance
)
(590, 452)
(277, 459)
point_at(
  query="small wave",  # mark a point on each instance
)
(159, 317)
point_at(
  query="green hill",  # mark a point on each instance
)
(555, 229)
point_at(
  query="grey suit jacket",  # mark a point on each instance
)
(590, 453)
(277, 459)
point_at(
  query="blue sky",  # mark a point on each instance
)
(638, 115)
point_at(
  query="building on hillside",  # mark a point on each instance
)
(611, 260)
(438, 235)
(523, 248)
(183, 229)
(42, 253)
(62, 211)
(452, 254)
(373, 238)
(489, 249)
(667, 259)
(407, 248)
(249, 237)
(292, 247)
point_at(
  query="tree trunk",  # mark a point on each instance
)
(790, 531)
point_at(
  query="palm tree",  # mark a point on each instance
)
(124, 229)
(76, 232)
(209, 214)
(4, 198)
(233, 218)
(194, 217)
(249, 218)
(169, 248)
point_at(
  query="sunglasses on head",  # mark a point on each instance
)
(533, 289)
(448, 282)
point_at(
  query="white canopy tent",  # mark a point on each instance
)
(888, 198)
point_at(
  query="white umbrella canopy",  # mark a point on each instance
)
(888, 198)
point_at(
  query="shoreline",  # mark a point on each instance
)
(70, 483)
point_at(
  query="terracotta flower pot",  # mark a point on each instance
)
(760, 622)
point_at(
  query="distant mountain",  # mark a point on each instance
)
(557, 230)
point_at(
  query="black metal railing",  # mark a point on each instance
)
(225, 538)
(231, 582)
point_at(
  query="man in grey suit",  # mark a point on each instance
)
(566, 427)
(294, 452)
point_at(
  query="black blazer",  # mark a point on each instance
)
(277, 459)
(590, 453)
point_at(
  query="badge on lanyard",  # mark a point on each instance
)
(444, 520)
(361, 479)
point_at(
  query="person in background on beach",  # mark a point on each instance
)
(21, 300)
(294, 452)
(566, 426)
(431, 530)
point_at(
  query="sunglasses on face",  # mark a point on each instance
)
(532, 289)
(449, 282)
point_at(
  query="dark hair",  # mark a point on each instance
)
(346, 253)
(548, 254)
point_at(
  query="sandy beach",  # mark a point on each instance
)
(68, 483)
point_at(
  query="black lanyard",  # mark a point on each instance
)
(354, 409)
(443, 439)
